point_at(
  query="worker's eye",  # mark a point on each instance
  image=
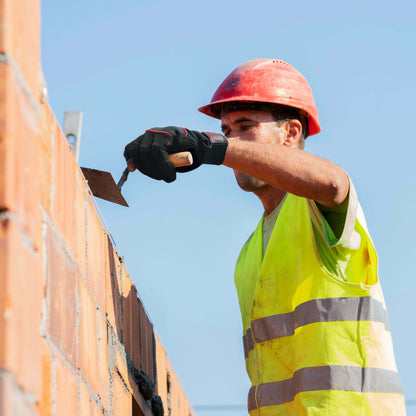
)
(226, 133)
(246, 127)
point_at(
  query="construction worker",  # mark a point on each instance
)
(316, 334)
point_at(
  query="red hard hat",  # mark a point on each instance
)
(266, 81)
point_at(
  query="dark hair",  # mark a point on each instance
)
(283, 113)
(278, 111)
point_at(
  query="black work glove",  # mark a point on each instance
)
(150, 151)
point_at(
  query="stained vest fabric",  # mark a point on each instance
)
(316, 342)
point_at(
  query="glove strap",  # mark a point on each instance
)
(217, 149)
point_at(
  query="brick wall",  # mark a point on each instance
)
(74, 337)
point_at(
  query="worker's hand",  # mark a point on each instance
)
(150, 151)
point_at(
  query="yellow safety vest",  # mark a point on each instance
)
(314, 344)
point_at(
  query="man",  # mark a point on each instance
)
(316, 334)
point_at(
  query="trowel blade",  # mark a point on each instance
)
(103, 186)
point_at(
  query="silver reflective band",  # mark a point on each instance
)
(331, 377)
(363, 308)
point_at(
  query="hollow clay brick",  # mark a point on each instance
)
(127, 300)
(103, 377)
(122, 367)
(65, 389)
(96, 252)
(96, 410)
(6, 241)
(44, 401)
(87, 361)
(140, 406)
(87, 406)
(63, 182)
(130, 385)
(19, 170)
(62, 279)
(84, 400)
(80, 220)
(161, 372)
(20, 306)
(113, 292)
(20, 38)
(134, 327)
(143, 336)
(63, 313)
(5, 141)
(13, 401)
(146, 342)
(150, 355)
(122, 404)
(45, 157)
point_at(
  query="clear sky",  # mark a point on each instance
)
(136, 64)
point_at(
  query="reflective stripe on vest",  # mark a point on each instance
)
(271, 327)
(331, 377)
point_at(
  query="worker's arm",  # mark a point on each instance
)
(283, 167)
(290, 169)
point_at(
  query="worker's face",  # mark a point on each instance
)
(254, 126)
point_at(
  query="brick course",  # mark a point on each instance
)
(74, 335)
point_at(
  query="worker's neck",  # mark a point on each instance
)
(270, 198)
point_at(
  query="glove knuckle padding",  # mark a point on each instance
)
(150, 151)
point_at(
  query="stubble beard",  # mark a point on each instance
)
(249, 183)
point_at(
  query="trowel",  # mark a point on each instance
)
(102, 184)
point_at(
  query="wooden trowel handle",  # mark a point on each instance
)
(181, 159)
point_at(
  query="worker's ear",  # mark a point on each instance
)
(293, 130)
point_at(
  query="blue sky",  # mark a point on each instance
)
(132, 65)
